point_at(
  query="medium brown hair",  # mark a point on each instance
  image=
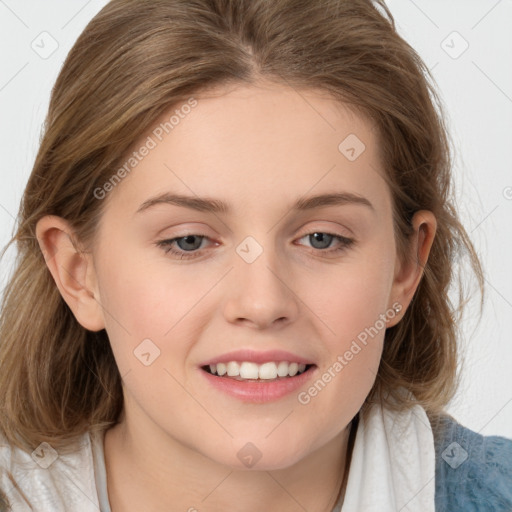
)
(138, 58)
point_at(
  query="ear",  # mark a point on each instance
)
(408, 273)
(72, 271)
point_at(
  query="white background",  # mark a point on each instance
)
(475, 85)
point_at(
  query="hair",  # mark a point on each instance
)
(138, 58)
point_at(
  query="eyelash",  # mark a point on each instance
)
(167, 245)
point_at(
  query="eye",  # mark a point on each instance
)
(188, 246)
(321, 241)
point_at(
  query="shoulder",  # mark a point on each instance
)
(473, 472)
(45, 479)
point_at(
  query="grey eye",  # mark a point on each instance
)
(187, 242)
(324, 240)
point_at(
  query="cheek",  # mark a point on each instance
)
(146, 300)
(352, 296)
(351, 301)
(353, 318)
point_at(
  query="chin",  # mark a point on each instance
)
(260, 455)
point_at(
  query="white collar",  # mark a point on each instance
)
(393, 463)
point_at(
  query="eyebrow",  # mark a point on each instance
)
(210, 205)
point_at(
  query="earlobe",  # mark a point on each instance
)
(72, 271)
(408, 273)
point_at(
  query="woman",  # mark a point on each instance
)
(301, 355)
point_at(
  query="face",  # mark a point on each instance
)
(183, 287)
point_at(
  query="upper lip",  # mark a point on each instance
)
(256, 356)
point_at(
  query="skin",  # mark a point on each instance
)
(258, 148)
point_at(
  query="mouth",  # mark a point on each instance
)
(257, 376)
(270, 371)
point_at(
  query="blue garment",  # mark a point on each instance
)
(473, 472)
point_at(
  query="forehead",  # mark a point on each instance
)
(252, 145)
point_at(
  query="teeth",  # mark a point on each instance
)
(282, 369)
(265, 371)
(249, 371)
(233, 369)
(268, 371)
(293, 369)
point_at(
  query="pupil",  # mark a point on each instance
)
(187, 240)
(320, 237)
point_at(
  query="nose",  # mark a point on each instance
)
(261, 293)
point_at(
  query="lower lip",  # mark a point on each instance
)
(262, 391)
